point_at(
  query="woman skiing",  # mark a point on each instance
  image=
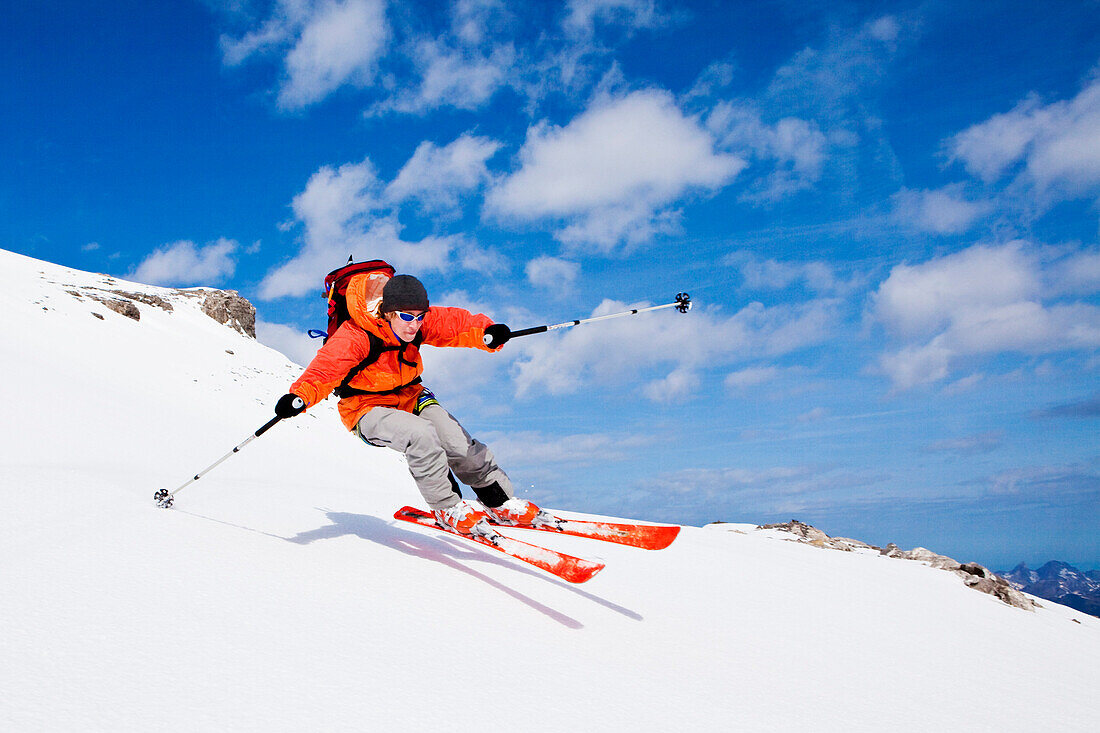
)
(373, 363)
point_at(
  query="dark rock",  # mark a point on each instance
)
(153, 300)
(125, 307)
(228, 307)
(973, 568)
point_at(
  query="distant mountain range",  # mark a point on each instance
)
(1059, 582)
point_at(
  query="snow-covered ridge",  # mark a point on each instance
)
(975, 576)
(126, 298)
(280, 595)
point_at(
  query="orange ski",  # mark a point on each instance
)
(566, 567)
(646, 536)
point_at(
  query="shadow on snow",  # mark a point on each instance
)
(449, 552)
(454, 553)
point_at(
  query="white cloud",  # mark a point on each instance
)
(771, 274)
(941, 211)
(472, 21)
(460, 77)
(335, 197)
(713, 80)
(462, 67)
(291, 342)
(815, 415)
(756, 486)
(751, 377)
(1053, 147)
(537, 449)
(915, 365)
(614, 171)
(676, 387)
(979, 302)
(816, 126)
(636, 346)
(438, 176)
(184, 263)
(885, 29)
(344, 213)
(796, 148)
(418, 63)
(327, 45)
(333, 207)
(457, 376)
(552, 273)
(922, 299)
(340, 44)
(833, 83)
(286, 20)
(582, 16)
(480, 259)
(989, 148)
(782, 329)
(1077, 274)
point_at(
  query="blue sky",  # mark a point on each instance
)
(886, 213)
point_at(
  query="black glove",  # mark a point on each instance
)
(497, 335)
(290, 405)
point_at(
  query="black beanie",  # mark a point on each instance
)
(404, 292)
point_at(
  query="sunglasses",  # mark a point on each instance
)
(409, 317)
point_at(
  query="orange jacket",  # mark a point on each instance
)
(390, 378)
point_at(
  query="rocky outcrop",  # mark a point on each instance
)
(123, 307)
(973, 575)
(920, 554)
(983, 579)
(228, 307)
(153, 300)
(224, 306)
(814, 536)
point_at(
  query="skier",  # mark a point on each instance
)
(373, 362)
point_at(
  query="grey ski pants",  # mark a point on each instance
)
(433, 443)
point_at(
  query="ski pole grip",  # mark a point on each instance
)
(529, 331)
(267, 426)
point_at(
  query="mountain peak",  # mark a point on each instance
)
(1055, 568)
(1059, 582)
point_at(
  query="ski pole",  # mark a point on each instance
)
(498, 333)
(164, 497)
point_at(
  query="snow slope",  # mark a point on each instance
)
(280, 595)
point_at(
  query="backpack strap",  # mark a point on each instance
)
(377, 348)
(343, 392)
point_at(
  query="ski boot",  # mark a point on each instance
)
(521, 513)
(464, 518)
